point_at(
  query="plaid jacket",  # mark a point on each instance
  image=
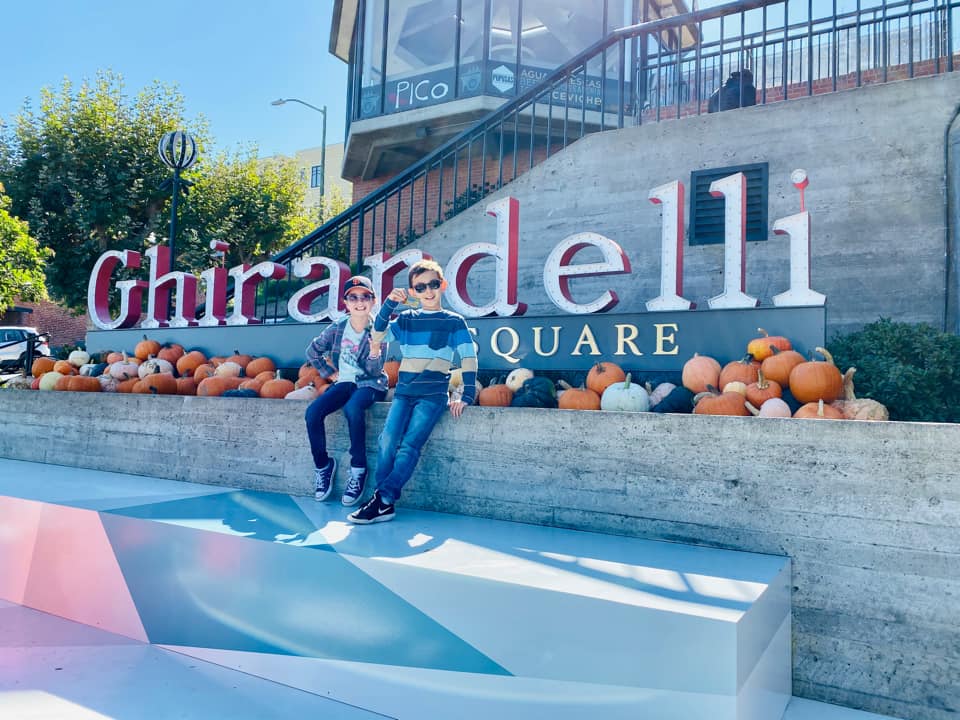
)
(324, 354)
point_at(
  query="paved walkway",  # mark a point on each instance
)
(53, 668)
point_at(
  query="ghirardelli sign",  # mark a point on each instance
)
(328, 276)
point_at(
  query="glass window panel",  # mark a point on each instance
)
(619, 14)
(471, 48)
(503, 29)
(421, 38)
(371, 72)
(553, 31)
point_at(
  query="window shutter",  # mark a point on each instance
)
(706, 211)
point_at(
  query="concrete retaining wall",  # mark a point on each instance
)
(876, 163)
(868, 512)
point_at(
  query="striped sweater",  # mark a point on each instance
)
(429, 341)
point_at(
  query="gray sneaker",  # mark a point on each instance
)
(355, 485)
(323, 480)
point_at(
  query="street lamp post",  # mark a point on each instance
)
(323, 136)
(178, 150)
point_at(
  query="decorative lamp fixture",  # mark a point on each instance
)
(178, 150)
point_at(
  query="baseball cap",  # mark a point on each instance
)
(358, 281)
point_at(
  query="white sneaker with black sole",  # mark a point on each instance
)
(323, 480)
(355, 486)
(374, 511)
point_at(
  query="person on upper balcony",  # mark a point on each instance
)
(737, 92)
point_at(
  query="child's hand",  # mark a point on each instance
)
(457, 407)
(374, 349)
(398, 294)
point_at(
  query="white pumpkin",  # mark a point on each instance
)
(625, 396)
(49, 380)
(660, 392)
(229, 369)
(78, 358)
(124, 369)
(307, 392)
(108, 384)
(517, 378)
(737, 387)
(153, 366)
(771, 408)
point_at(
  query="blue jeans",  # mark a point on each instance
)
(354, 402)
(409, 424)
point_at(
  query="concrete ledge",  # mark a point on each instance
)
(868, 512)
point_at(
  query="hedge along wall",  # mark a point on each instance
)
(869, 512)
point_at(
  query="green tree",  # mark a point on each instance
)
(21, 260)
(255, 205)
(83, 171)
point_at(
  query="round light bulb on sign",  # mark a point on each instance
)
(178, 150)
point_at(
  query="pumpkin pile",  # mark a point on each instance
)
(156, 369)
(769, 376)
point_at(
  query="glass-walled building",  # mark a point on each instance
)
(421, 70)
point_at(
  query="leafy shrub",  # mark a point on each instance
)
(913, 369)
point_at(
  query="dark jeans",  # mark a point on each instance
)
(408, 425)
(354, 402)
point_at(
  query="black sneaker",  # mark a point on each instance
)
(323, 480)
(354, 490)
(375, 510)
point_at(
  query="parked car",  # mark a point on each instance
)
(13, 345)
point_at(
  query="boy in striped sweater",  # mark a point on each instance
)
(429, 337)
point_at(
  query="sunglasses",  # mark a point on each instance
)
(433, 285)
(357, 297)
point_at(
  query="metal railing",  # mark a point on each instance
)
(654, 71)
(30, 354)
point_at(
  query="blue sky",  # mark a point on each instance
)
(230, 59)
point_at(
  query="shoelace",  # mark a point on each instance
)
(353, 485)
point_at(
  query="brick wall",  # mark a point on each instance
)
(64, 328)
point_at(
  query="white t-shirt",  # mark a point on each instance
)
(349, 369)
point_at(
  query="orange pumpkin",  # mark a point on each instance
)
(190, 362)
(64, 368)
(140, 388)
(582, 398)
(113, 357)
(42, 365)
(495, 395)
(603, 375)
(240, 359)
(253, 383)
(202, 372)
(217, 360)
(161, 383)
(743, 370)
(699, 372)
(778, 366)
(816, 380)
(215, 386)
(762, 347)
(266, 375)
(714, 402)
(171, 353)
(63, 382)
(126, 386)
(819, 411)
(186, 386)
(277, 388)
(762, 390)
(146, 347)
(392, 369)
(260, 365)
(84, 383)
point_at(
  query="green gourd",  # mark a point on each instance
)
(679, 400)
(538, 392)
(244, 393)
